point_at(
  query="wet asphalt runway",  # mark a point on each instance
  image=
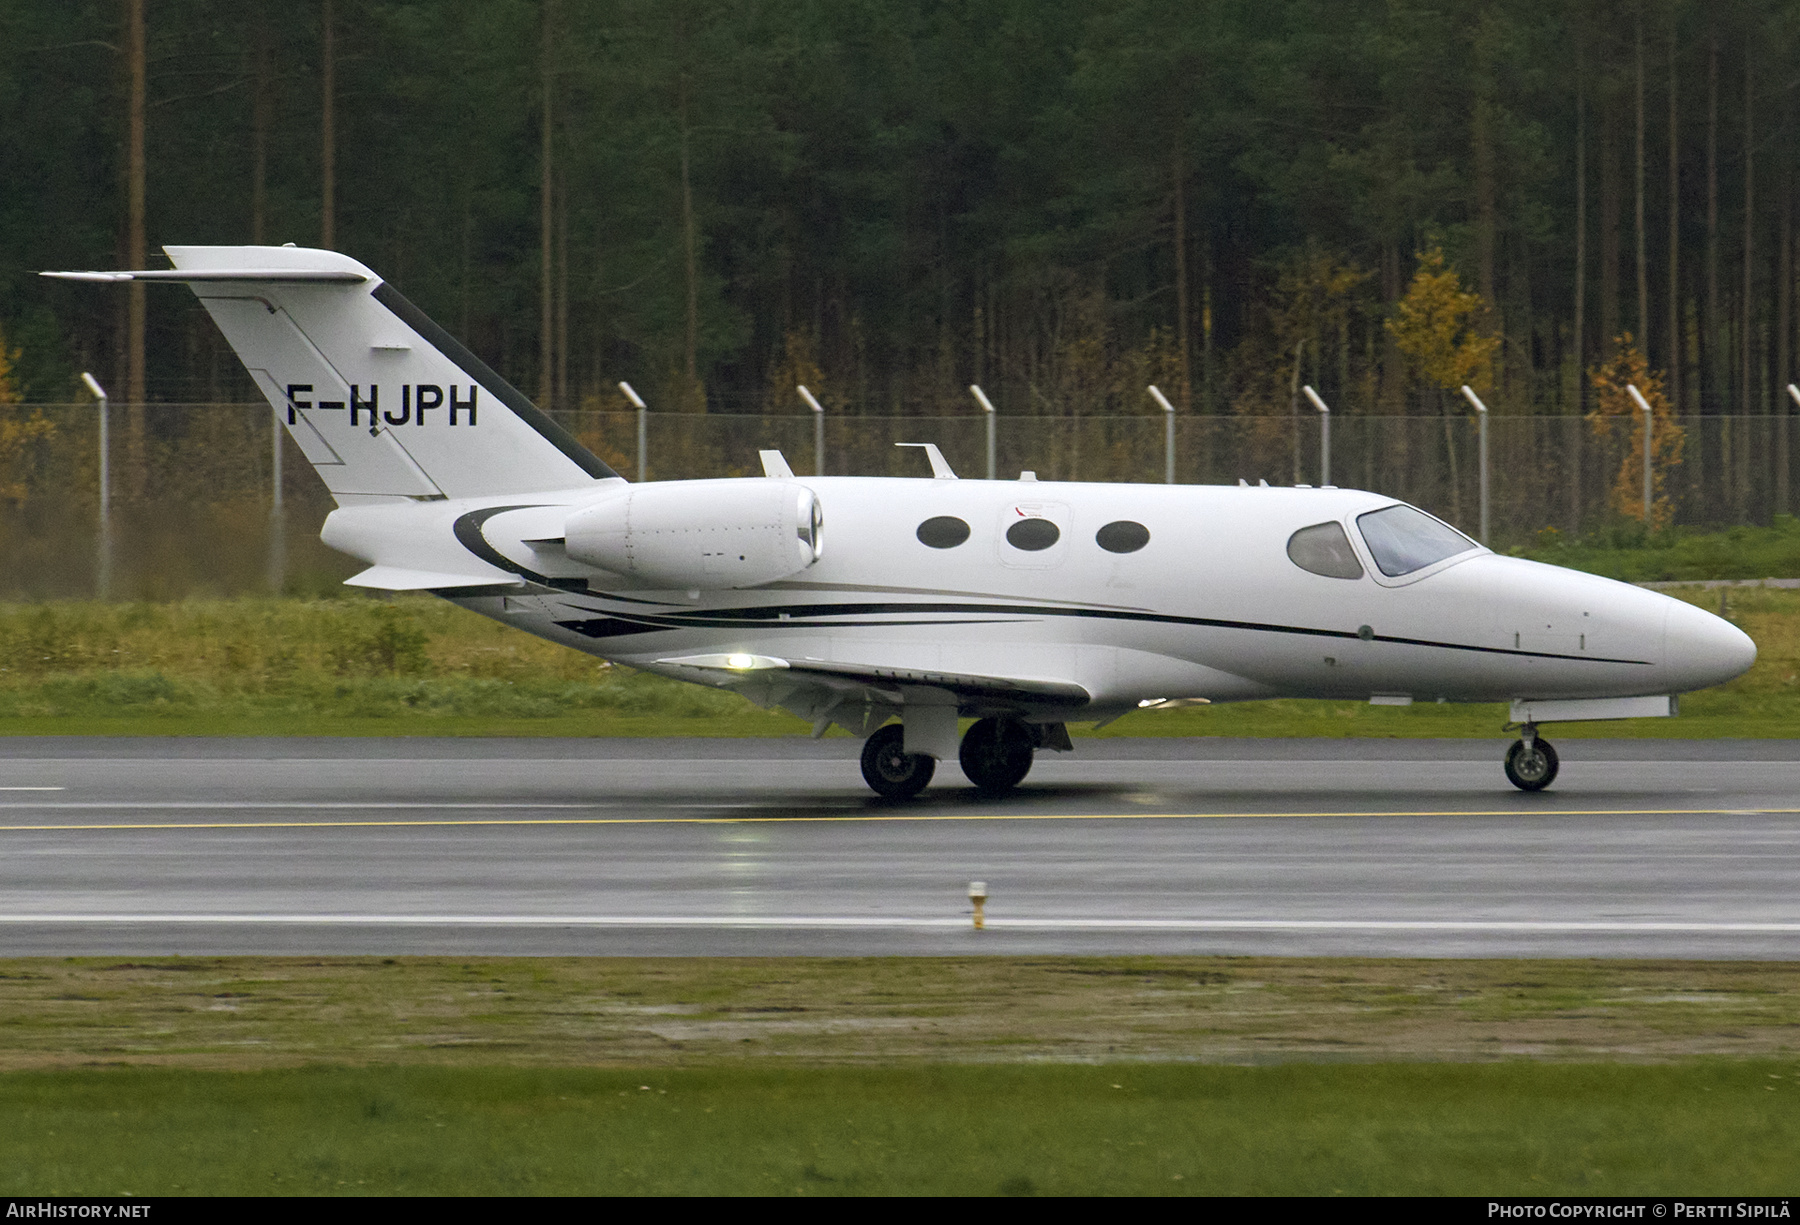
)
(1386, 848)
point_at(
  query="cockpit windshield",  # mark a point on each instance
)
(1403, 539)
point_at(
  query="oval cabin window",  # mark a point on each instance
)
(1033, 535)
(1122, 536)
(943, 532)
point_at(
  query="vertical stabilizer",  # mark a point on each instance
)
(381, 400)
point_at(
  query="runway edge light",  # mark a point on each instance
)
(978, 895)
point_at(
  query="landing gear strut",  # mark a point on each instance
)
(1531, 763)
(890, 769)
(996, 754)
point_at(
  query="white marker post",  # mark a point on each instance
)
(1168, 433)
(1649, 422)
(818, 430)
(103, 575)
(1324, 436)
(643, 426)
(987, 407)
(1481, 417)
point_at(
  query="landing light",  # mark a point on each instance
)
(740, 662)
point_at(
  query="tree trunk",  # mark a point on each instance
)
(690, 260)
(260, 108)
(1610, 174)
(1579, 338)
(1784, 305)
(1674, 324)
(1294, 409)
(1486, 206)
(1179, 173)
(1746, 393)
(136, 377)
(546, 209)
(328, 131)
(1643, 262)
(1208, 403)
(562, 295)
(1713, 371)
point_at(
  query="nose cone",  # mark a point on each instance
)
(1700, 650)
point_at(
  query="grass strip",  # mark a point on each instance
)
(250, 1013)
(417, 666)
(1710, 1127)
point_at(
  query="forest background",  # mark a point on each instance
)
(1060, 200)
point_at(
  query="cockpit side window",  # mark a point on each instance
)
(1403, 539)
(1324, 549)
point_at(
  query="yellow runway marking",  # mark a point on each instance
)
(877, 818)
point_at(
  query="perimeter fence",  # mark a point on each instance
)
(194, 507)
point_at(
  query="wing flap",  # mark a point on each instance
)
(1035, 691)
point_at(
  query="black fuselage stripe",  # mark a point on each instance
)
(770, 616)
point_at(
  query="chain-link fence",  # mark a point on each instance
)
(193, 485)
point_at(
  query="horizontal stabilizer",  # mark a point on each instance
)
(267, 276)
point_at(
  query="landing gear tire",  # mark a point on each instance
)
(996, 754)
(1531, 767)
(888, 768)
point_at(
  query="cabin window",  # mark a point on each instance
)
(943, 532)
(1123, 536)
(1403, 539)
(1033, 535)
(1324, 548)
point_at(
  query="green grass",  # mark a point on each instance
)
(954, 1075)
(359, 666)
(260, 1013)
(1703, 1128)
(1677, 554)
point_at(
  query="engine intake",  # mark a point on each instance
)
(701, 534)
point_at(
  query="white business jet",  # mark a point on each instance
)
(1025, 605)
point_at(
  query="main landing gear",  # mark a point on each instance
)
(1531, 763)
(996, 754)
(894, 773)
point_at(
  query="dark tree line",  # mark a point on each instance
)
(887, 200)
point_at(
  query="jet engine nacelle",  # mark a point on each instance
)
(700, 534)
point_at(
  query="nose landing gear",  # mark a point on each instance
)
(1531, 763)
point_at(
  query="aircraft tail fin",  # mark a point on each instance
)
(382, 401)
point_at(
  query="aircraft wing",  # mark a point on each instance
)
(889, 682)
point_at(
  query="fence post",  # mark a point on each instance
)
(1648, 423)
(1168, 433)
(1481, 416)
(103, 569)
(1324, 436)
(987, 407)
(277, 511)
(818, 430)
(643, 427)
(1786, 459)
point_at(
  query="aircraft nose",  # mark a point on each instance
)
(1701, 650)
